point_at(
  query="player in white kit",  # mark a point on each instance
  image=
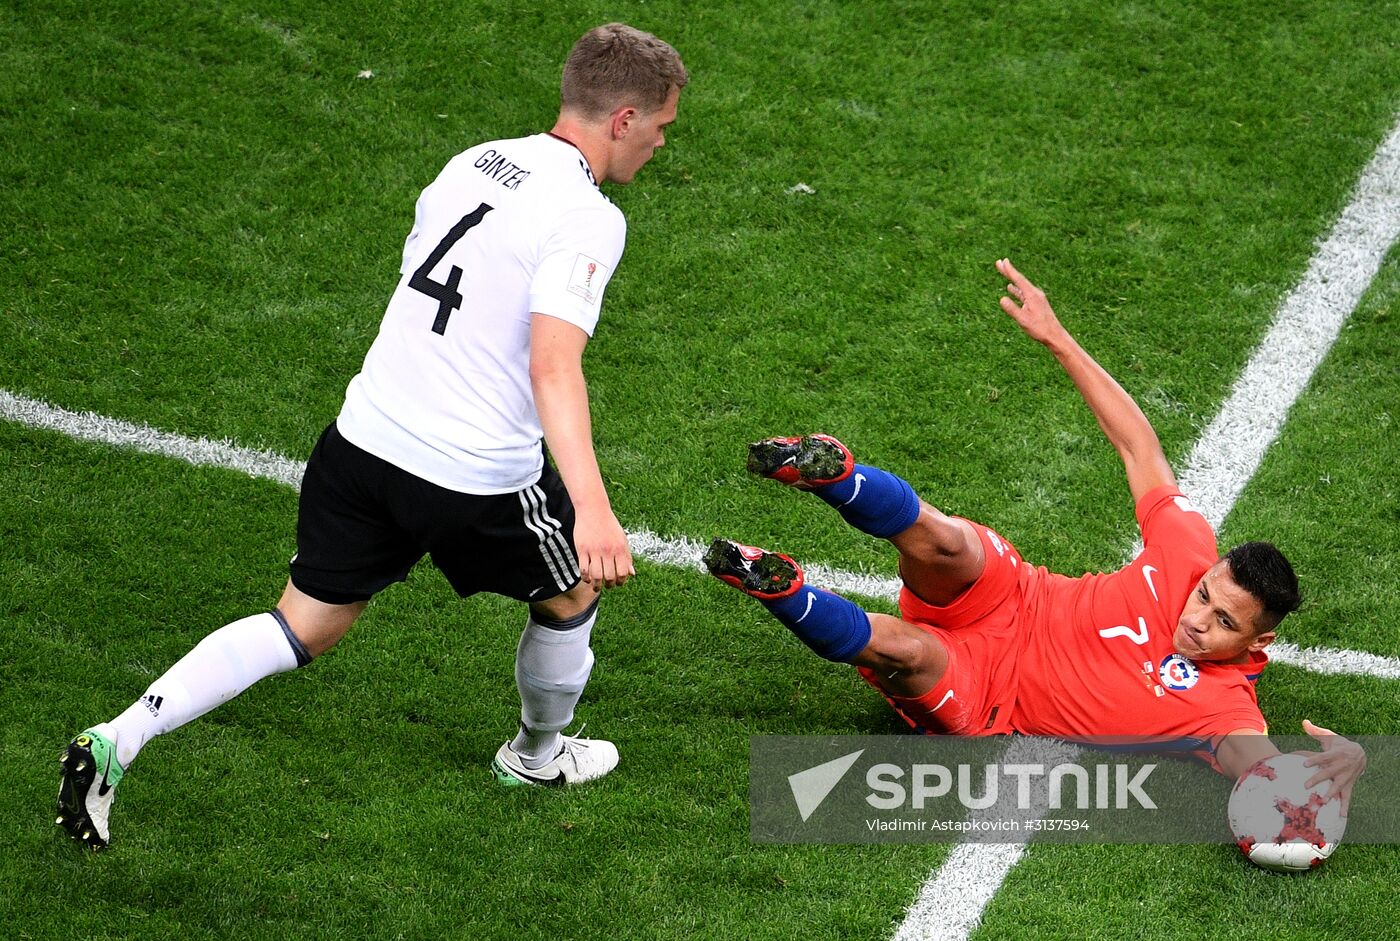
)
(439, 448)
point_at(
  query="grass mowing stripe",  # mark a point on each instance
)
(675, 552)
(1223, 460)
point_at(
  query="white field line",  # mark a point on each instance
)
(675, 552)
(86, 426)
(950, 904)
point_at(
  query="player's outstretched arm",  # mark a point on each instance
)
(1126, 427)
(1341, 760)
(561, 397)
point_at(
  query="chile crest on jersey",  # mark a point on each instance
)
(1178, 673)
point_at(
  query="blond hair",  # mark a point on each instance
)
(614, 65)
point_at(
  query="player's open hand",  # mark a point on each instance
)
(1027, 305)
(1341, 761)
(604, 557)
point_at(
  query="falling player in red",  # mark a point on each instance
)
(1167, 648)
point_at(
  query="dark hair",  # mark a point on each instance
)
(1260, 569)
(615, 65)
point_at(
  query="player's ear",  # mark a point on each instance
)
(1261, 641)
(620, 121)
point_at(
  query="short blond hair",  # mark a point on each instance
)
(615, 65)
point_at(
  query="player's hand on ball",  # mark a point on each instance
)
(1341, 761)
(1279, 822)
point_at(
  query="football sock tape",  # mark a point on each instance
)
(874, 501)
(835, 628)
(552, 665)
(298, 648)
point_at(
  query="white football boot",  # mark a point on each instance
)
(579, 760)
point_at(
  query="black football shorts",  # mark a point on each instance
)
(363, 523)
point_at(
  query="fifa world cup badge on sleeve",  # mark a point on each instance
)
(588, 277)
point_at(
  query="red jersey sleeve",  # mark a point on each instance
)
(1178, 544)
(1168, 519)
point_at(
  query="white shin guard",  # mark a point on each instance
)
(552, 665)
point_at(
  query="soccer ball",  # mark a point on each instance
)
(1278, 823)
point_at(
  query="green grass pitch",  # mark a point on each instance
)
(203, 211)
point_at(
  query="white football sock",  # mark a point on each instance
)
(220, 666)
(551, 669)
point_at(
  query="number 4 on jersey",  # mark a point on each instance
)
(446, 293)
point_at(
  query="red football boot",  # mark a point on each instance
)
(764, 575)
(808, 461)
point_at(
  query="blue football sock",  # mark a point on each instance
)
(833, 627)
(874, 501)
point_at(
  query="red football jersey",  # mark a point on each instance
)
(1098, 658)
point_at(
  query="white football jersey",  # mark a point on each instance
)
(507, 229)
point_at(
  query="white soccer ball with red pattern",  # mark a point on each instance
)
(1279, 823)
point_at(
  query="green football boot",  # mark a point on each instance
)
(89, 781)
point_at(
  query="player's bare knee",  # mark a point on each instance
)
(316, 625)
(936, 539)
(568, 605)
(896, 646)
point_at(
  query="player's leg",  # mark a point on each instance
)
(521, 545)
(228, 661)
(328, 589)
(908, 660)
(940, 556)
(924, 672)
(221, 666)
(552, 664)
